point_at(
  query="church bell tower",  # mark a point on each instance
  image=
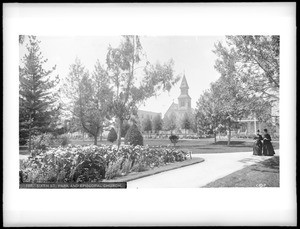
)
(184, 100)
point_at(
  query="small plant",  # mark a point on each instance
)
(134, 136)
(112, 135)
(174, 139)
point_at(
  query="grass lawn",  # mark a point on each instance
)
(197, 146)
(262, 174)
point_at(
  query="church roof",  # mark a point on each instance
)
(184, 83)
(184, 96)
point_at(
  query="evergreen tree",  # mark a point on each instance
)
(112, 135)
(37, 95)
(134, 136)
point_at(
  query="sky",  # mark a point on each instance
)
(192, 56)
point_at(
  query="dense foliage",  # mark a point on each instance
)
(47, 140)
(89, 96)
(94, 163)
(123, 62)
(134, 136)
(174, 139)
(112, 135)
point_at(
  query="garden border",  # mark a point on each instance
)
(171, 166)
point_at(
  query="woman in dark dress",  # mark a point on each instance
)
(268, 149)
(257, 147)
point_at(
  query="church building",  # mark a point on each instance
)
(184, 102)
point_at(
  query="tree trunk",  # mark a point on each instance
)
(215, 135)
(29, 130)
(119, 132)
(95, 139)
(229, 136)
(101, 136)
(29, 141)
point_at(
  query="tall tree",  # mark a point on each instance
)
(37, 93)
(232, 102)
(89, 97)
(123, 63)
(208, 114)
(255, 60)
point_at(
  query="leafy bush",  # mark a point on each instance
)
(42, 141)
(134, 136)
(112, 135)
(174, 139)
(94, 163)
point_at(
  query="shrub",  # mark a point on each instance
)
(174, 139)
(134, 136)
(112, 135)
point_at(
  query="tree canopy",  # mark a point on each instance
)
(123, 63)
(90, 96)
(255, 60)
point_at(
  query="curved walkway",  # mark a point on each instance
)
(214, 167)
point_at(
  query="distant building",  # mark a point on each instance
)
(145, 114)
(251, 124)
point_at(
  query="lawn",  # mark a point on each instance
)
(197, 146)
(262, 174)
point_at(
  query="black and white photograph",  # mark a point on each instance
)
(108, 116)
(157, 112)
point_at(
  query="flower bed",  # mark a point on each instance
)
(94, 163)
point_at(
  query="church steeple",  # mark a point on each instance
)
(184, 84)
(184, 100)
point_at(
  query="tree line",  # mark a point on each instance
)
(169, 123)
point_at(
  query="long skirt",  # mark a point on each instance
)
(268, 149)
(257, 148)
